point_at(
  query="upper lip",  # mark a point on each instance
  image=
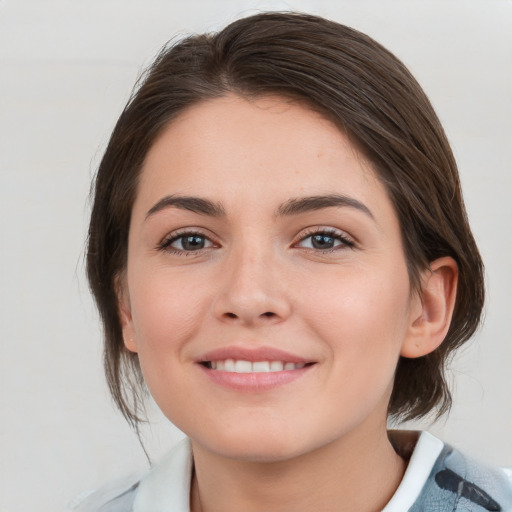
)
(261, 353)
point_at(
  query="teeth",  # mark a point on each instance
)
(261, 366)
(241, 366)
(276, 366)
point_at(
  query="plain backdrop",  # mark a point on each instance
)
(66, 70)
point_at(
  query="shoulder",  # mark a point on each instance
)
(460, 483)
(166, 486)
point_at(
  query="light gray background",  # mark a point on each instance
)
(66, 69)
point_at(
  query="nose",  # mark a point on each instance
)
(252, 290)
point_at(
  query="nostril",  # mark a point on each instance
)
(231, 315)
(268, 313)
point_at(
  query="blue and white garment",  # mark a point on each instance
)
(438, 479)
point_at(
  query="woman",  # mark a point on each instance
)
(279, 250)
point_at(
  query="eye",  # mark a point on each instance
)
(325, 240)
(186, 242)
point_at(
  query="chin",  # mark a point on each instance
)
(253, 444)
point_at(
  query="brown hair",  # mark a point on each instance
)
(358, 84)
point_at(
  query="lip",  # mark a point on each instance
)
(253, 382)
(252, 354)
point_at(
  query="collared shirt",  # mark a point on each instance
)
(438, 479)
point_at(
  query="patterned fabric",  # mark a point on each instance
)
(455, 483)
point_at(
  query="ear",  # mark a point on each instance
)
(125, 314)
(432, 308)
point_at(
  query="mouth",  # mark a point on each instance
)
(253, 369)
(244, 366)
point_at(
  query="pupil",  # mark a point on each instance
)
(193, 243)
(323, 241)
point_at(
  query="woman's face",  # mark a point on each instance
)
(266, 290)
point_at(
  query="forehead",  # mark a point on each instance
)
(233, 148)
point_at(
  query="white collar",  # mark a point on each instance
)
(420, 465)
(166, 488)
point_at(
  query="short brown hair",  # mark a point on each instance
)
(352, 80)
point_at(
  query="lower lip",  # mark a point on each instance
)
(254, 382)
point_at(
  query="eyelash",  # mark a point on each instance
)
(346, 242)
(166, 244)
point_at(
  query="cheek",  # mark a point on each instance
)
(362, 323)
(166, 316)
(363, 313)
(165, 311)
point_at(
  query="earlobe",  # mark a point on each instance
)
(435, 302)
(125, 314)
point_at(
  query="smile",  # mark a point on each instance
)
(243, 366)
(255, 369)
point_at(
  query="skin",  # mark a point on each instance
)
(320, 441)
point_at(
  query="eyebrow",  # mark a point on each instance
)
(299, 205)
(294, 206)
(194, 204)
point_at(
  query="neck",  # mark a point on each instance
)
(346, 475)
